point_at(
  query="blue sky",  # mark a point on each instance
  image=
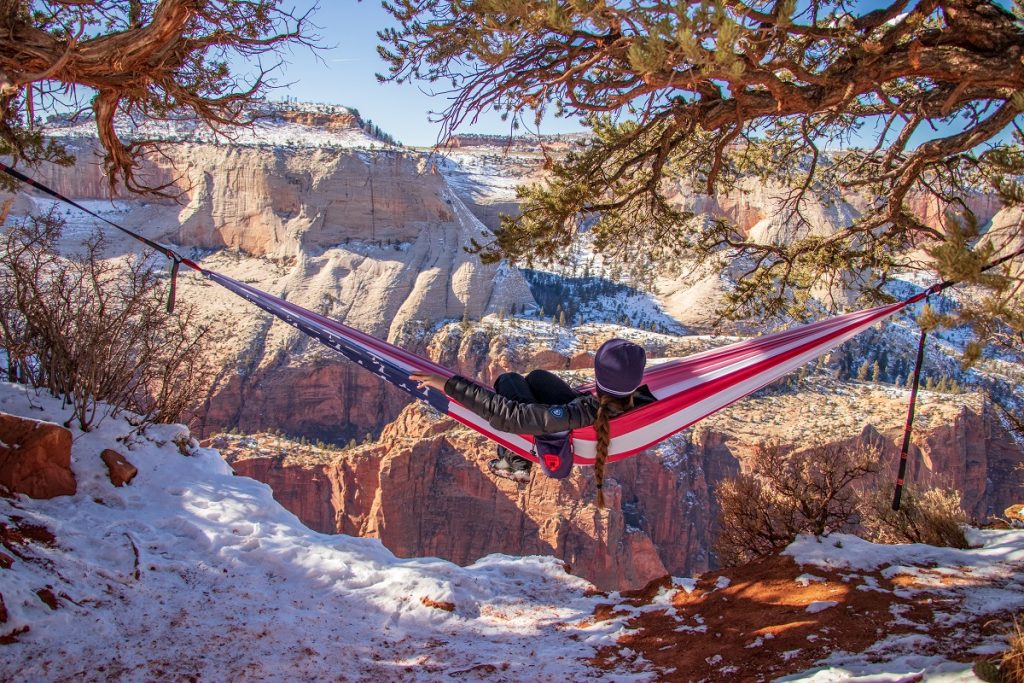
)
(345, 74)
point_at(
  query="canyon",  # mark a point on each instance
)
(375, 236)
(424, 488)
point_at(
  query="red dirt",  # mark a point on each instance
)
(758, 626)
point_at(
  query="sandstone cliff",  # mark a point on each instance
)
(423, 487)
(374, 240)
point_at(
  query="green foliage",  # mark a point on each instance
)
(819, 102)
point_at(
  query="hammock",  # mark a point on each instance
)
(687, 389)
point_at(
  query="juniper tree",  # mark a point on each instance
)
(149, 59)
(825, 98)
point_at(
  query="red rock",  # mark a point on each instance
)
(582, 361)
(423, 488)
(121, 471)
(35, 458)
(1015, 515)
(438, 604)
(47, 597)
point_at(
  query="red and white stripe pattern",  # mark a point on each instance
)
(692, 388)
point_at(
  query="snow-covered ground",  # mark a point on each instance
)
(191, 573)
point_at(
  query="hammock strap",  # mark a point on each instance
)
(175, 258)
(934, 289)
(910, 423)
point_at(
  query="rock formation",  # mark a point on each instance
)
(35, 458)
(423, 488)
(373, 240)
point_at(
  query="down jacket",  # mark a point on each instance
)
(510, 415)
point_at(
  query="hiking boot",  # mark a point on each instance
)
(508, 465)
(501, 466)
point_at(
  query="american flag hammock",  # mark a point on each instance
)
(687, 389)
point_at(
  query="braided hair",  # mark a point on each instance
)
(604, 434)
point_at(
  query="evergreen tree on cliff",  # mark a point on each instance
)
(149, 59)
(826, 98)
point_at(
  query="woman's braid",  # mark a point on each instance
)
(604, 436)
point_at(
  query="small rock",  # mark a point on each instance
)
(1015, 515)
(47, 597)
(438, 604)
(120, 470)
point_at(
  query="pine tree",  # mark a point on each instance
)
(147, 58)
(704, 92)
(862, 372)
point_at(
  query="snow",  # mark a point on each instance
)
(986, 579)
(807, 579)
(820, 606)
(272, 130)
(907, 669)
(492, 174)
(195, 572)
(994, 550)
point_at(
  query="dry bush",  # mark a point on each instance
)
(785, 494)
(1012, 665)
(933, 517)
(93, 330)
(1009, 666)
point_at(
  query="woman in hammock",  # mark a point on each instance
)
(541, 403)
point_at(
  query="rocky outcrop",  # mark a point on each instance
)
(958, 440)
(423, 487)
(35, 458)
(325, 120)
(424, 490)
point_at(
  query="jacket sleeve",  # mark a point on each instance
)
(510, 415)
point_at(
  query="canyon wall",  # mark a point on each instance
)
(375, 240)
(423, 488)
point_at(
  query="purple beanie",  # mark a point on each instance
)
(619, 367)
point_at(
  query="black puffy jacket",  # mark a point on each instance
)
(510, 415)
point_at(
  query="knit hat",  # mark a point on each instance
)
(619, 367)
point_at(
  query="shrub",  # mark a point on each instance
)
(1009, 666)
(933, 517)
(92, 329)
(1012, 665)
(785, 494)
